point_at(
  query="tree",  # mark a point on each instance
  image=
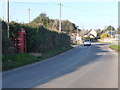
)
(68, 26)
(42, 20)
(53, 24)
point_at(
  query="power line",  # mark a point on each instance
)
(39, 3)
(86, 11)
(77, 9)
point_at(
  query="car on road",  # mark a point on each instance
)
(87, 43)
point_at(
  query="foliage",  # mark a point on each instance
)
(7, 43)
(104, 35)
(39, 39)
(20, 59)
(68, 26)
(14, 28)
(12, 61)
(42, 20)
(55, 51)
(53, 24)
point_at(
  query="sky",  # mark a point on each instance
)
(87, 14)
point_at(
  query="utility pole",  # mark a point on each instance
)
(60, 18)
(7, 16)
(77, 35)
(111, 31)
(77, 29)
(29, 14)
(82, 30)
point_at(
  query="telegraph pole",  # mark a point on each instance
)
(7, 16)
(77, 29)
(29, 14)
(111, 29)
(82, 30)
(60, 18)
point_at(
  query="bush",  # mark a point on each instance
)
(39, 39)
(104, 35)
(7, 43)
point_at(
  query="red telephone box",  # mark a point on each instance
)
(21, 41)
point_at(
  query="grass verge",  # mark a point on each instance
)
(102, 42)
(21, 59)
(115, 47)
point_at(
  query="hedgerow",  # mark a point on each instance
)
(39, 39)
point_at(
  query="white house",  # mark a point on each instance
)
(91, 34)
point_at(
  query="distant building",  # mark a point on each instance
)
(78, 38)
(111, 33)
(92, 34)
(117, 37)
(75, 38)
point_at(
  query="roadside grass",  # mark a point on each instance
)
(75, 43)
(102, 42)
(21, 59)
(54, 52)
(115, 47)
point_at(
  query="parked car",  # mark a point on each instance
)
(87, 43)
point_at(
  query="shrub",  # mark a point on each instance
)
(104, 35)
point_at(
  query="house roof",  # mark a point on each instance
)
(111, 32)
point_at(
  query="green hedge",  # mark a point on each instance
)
(39, 39)
(7, 43)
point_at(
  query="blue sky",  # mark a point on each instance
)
(88, 14)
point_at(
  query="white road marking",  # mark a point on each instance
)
(101, 54)
(115, 53)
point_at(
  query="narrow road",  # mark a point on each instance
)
(93, 66)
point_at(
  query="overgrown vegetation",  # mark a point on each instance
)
(39, 40)
(20, 59)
